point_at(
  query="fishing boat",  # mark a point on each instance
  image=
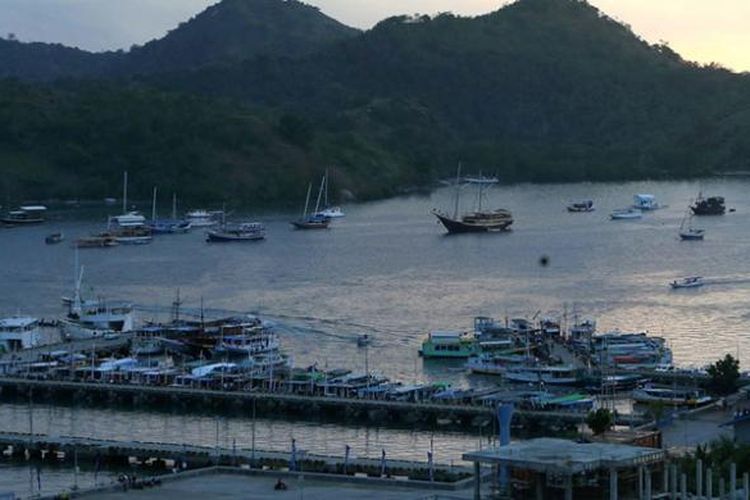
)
(547, 374)
(19, 332)
(688, 232)
(672, 396)
(645, 202)
(628, 350)
(331, 212)
(625, 214)
(689, 282)
(249, 231)
(713, 205)
(25, 214)
(449, 344)
(168, 226)
(54, 238)
(313, 220)
(480, 220)
(494, 364)
(96, 242)
(247, 345)
(204, 218)
(581, 206)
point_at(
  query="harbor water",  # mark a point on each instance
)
(389, 271)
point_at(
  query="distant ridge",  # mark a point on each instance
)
(227, 32)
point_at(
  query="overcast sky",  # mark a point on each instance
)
(700, 30)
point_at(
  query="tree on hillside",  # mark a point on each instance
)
(724, 375)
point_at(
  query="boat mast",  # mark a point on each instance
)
(174, 206)
(325, 202)
(320, 193)
(125, 192)
(307, 200)
(153, 206)
(458, 191)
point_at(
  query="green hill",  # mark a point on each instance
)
(541, 90)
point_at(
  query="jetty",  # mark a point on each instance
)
(363, 410)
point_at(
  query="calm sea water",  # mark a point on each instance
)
(389, 271)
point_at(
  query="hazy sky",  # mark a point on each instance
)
(700, 30)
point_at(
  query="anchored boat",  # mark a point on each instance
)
(248, 231)
(26, 214)
(581, 206)
(314, 220)
(713, 205)
(625, 214)
(481, 220)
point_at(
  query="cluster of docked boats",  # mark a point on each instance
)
(522, 351)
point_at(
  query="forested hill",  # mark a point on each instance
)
(541, 90)
(225, 33)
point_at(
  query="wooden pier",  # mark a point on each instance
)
(376, 411)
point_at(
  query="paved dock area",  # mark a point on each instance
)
(262, 487)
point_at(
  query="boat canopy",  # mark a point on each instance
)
(18, 323)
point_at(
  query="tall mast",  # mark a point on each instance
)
(325, 203)
(307, 200)
(125, 192)
(174, 206)
(458, 190)
(320, 193)
(153, 206)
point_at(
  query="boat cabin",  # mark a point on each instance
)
(18, 333)
(645, 202)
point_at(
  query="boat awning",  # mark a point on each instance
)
(33, 208)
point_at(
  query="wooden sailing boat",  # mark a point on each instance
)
(479, 221)
(314, 219)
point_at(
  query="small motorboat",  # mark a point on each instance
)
(363, 340)
(332, 213)
(249, 231)
(625, 214)
(581, 206)
(692, 234)
(689, 282)
(54, 238)
(96, 242)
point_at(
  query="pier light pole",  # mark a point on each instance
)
(252, 452)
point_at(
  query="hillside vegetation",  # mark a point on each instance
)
(232, 104)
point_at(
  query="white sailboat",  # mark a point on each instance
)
(331, 212)
(688, 232)
(130, 227)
